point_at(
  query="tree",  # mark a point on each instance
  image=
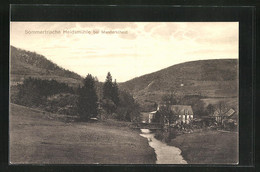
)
(210, 109)
(29, 93)
(115, 95)
(110, 93)
(167, 115)
(221, 108)
(169, 99)
(128, 109)
(109, 106)
(199, 108)
(87, 101)
(34, 92)
(108, 87)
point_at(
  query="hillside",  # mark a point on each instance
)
(39, 137)
(206, 78)
(24, 64)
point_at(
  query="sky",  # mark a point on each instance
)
(125, 49)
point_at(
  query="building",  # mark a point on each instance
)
(230, 114)
(184, 113)
(151, 116)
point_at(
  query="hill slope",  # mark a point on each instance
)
(207, 78)
(24, 64)
(38, 137)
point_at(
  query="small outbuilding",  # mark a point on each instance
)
(151, 116)
(221, 117)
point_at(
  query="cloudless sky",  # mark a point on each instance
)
(141, 48)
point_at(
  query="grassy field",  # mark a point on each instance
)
(38, 137)
(208, 147)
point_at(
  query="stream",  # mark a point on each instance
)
(165, 154)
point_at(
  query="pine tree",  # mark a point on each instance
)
(87, 102)
(115, 95)
(108, 87)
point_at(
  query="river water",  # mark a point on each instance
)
(165, 154)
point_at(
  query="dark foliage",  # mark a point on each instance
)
(221, 107)
(110, 95)
(128, 109)
(110, 89)
(170, 99)
(34, 92)
(198, 108)
(64, 103)
(166, 115)
(115, 94)
(210, 109)
(87, 101)
(108, 105)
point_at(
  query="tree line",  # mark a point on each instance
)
(89, 103)
(34, 92)
(114, 103)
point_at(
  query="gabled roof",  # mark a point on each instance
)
(228, 113)
(181, 109)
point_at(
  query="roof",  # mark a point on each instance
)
(181, 109)
(228, 113)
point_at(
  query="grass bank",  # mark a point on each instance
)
(38, 137)
(208, 147)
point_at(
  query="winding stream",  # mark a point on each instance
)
(165, 154)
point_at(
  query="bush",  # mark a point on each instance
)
(62, 103)
(159, 135)
(166, 136)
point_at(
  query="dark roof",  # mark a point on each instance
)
(228, 113)
(181, 109)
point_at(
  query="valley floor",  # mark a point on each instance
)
(208, 147)
(39, 138)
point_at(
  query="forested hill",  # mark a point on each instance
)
(207, 78)
(24, 64)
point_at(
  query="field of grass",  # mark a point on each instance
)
(208, 147)
(38, 137)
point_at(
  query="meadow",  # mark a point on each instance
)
(208, 147)
(38, 137)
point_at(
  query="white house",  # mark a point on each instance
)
(184, 112)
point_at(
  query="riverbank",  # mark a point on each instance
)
(38, 137)
(208, 147)
(165, 154)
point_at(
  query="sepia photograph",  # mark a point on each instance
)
(124, 93)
